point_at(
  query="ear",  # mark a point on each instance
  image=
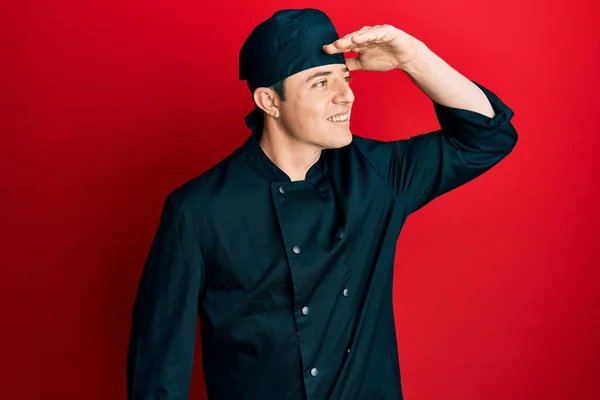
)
(267, 100)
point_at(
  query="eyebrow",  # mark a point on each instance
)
(324, 73)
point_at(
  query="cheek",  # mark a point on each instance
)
(307, 111)
(316, 111)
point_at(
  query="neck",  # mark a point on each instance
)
(289, 154)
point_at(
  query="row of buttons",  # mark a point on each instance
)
(305, 310)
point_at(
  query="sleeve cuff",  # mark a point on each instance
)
(450, 117)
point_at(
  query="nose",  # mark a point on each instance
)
(344, 93)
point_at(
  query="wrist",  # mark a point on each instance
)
(413, 54)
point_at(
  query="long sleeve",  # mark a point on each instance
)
(425, 166)
(164, 316)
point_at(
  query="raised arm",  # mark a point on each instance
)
(475, 125)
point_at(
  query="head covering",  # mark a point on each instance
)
(288, 42)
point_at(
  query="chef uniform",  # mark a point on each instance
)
(292, 280)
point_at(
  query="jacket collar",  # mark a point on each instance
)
(253, 152)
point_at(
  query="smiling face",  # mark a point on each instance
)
(317, 106)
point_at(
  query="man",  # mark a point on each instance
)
(285, 249)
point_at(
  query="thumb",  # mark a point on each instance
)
(353, 63)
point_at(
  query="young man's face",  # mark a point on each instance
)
(317, 106)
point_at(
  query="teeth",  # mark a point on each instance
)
(339, 118)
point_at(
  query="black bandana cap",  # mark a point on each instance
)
(288, 42)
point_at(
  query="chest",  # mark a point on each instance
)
(280, 234)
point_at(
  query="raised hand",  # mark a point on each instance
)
(379, 48)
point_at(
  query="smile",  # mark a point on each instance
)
(340, 117)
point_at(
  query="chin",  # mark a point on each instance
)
(348, 139)
(339, 140)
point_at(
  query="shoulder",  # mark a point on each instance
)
(368, 147)
(196, 192)
(378, 154)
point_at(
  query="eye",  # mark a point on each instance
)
(320, 84)
(348, 79)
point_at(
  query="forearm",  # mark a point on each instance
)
(442, 83)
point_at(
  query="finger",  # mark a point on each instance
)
(342, 44)
(363, 29)
(360, 46)
(374, 34)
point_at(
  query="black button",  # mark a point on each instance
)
(340, 234)
(281, 189)
(296, 249)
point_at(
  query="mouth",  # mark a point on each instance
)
(345, 117)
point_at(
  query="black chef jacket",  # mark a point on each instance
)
(292, 281)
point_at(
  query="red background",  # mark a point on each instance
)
(107, 106)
